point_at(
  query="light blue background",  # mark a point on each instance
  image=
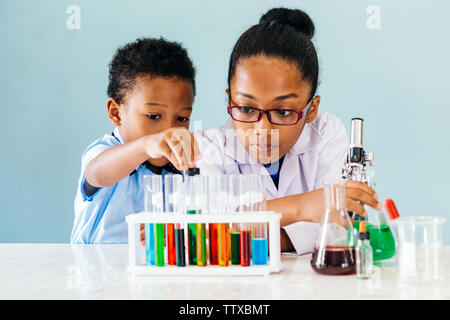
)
(53, 91)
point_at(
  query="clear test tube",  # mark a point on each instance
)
(245, 228)
(201, 203)
(260, 243)
(154, 233)
(191, 208)
(218, 232)
(234, 206)
(149, 230)
(158, 206)
(173, 201)
(213, 228)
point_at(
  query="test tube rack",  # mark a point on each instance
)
(138, 267)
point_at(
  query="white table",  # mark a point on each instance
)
(64, 271)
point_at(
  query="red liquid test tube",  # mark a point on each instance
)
(213, 244)
(245, 246)
(171, 250)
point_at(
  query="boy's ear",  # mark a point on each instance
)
(313, 109)
(113, 111)
(227, 91)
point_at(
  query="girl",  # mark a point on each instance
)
(275, 128)
(151, 91)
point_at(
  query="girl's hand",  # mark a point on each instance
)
(176, 145)
(356, 192)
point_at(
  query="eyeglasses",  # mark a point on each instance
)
(280, 117)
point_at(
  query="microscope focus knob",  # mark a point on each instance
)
(370, 158)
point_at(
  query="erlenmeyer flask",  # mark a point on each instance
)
(381, 238)
(334, 250)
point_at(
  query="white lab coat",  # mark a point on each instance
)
(316, 156)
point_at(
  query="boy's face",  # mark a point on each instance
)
(152, 105)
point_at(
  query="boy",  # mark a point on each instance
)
(151, 91)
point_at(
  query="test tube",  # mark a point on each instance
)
(213, 228)
(234, 242)
(218, 232)
(245, 228)
(201, 201)
(260, 244)
(173, 200)
(158, 206)
(154, 233)
(191, 208)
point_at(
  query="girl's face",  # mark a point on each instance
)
(152, 105)
(270, 83)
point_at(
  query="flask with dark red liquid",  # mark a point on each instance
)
(334, 251)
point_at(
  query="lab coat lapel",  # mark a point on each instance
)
(291, 172)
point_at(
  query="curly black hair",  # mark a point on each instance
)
(147, 56)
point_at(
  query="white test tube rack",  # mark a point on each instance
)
(138, 267)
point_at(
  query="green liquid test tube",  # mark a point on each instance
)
(159, 244)
(201, 245)
(192, 240)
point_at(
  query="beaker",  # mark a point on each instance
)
(334, 249)
(381, 237)
(419, 247)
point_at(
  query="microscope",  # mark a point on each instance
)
(356, 159)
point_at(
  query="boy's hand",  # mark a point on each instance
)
(176, 145)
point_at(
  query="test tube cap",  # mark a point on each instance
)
(363, 233)
(391, 209)
(193, 171)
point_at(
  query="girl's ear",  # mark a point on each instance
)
(113, 111)
(228, 96)
(313, 109)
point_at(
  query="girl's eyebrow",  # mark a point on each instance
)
(155, 104)
(246, 95)
(279, 98)
(286, 96)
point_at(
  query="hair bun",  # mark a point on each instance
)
(295, 18)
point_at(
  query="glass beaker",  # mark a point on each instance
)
(334, 249)
(419, 247)
(381, 237)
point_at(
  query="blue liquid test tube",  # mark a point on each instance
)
(260, 244)
(150, 244)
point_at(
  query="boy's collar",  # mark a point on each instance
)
(116, 134)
